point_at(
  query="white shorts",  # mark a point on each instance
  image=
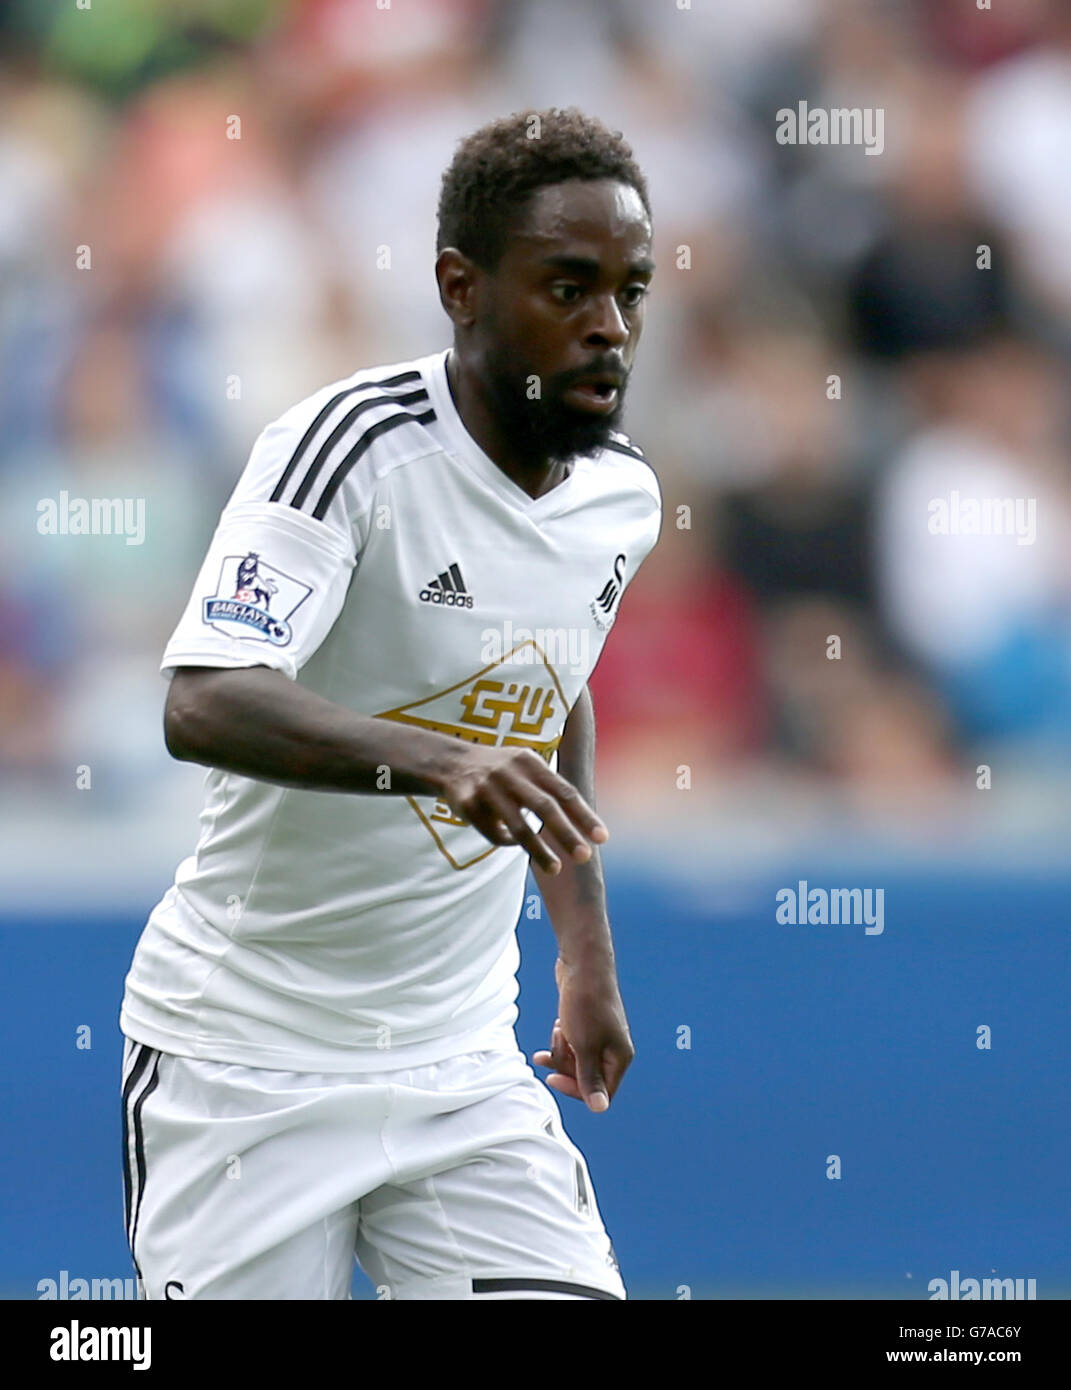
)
(450, 1181)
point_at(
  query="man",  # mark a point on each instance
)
(387, 646)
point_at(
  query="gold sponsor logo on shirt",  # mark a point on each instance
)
(495, 707)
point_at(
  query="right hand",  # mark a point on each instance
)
(491, 786)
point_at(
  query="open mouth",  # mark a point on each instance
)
(595, 394)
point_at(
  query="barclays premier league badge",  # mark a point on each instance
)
(254, 599)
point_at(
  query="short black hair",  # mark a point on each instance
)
(497, 168)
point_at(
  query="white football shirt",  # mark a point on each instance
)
(374, 553)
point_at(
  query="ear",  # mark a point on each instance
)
(458, 279)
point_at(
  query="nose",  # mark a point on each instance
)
(608, 327)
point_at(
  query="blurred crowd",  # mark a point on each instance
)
(194, 200)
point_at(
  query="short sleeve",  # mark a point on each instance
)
(275, 577)
(654, 522)
(648, 524)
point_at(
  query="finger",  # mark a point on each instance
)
(500, 821)
(509, 812)
(562, 1065)
(555, 1039)
(568, 797)
(566, 816)
(556, 810)
(490, 826)
(564, 1085)
(548, 1061)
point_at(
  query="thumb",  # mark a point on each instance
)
(592, 1086)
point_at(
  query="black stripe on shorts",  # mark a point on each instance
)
(141, 1061)
(139, 1150)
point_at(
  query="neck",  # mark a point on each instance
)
(533, 476)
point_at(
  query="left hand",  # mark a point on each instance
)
(590, 1045)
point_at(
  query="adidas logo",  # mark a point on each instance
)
(448, 589)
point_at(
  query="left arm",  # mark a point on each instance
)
(590, 1046)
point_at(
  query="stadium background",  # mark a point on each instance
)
(254, 260)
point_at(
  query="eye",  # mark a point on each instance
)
(634, 293)
(566, 291)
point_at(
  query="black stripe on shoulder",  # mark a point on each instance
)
(295, 458)
(324, 452)
(541, 1286)
(620, 447)
(631, 451)
(370, 435)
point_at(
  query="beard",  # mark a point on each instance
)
(547, 430)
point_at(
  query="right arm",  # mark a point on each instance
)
(256, 722)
